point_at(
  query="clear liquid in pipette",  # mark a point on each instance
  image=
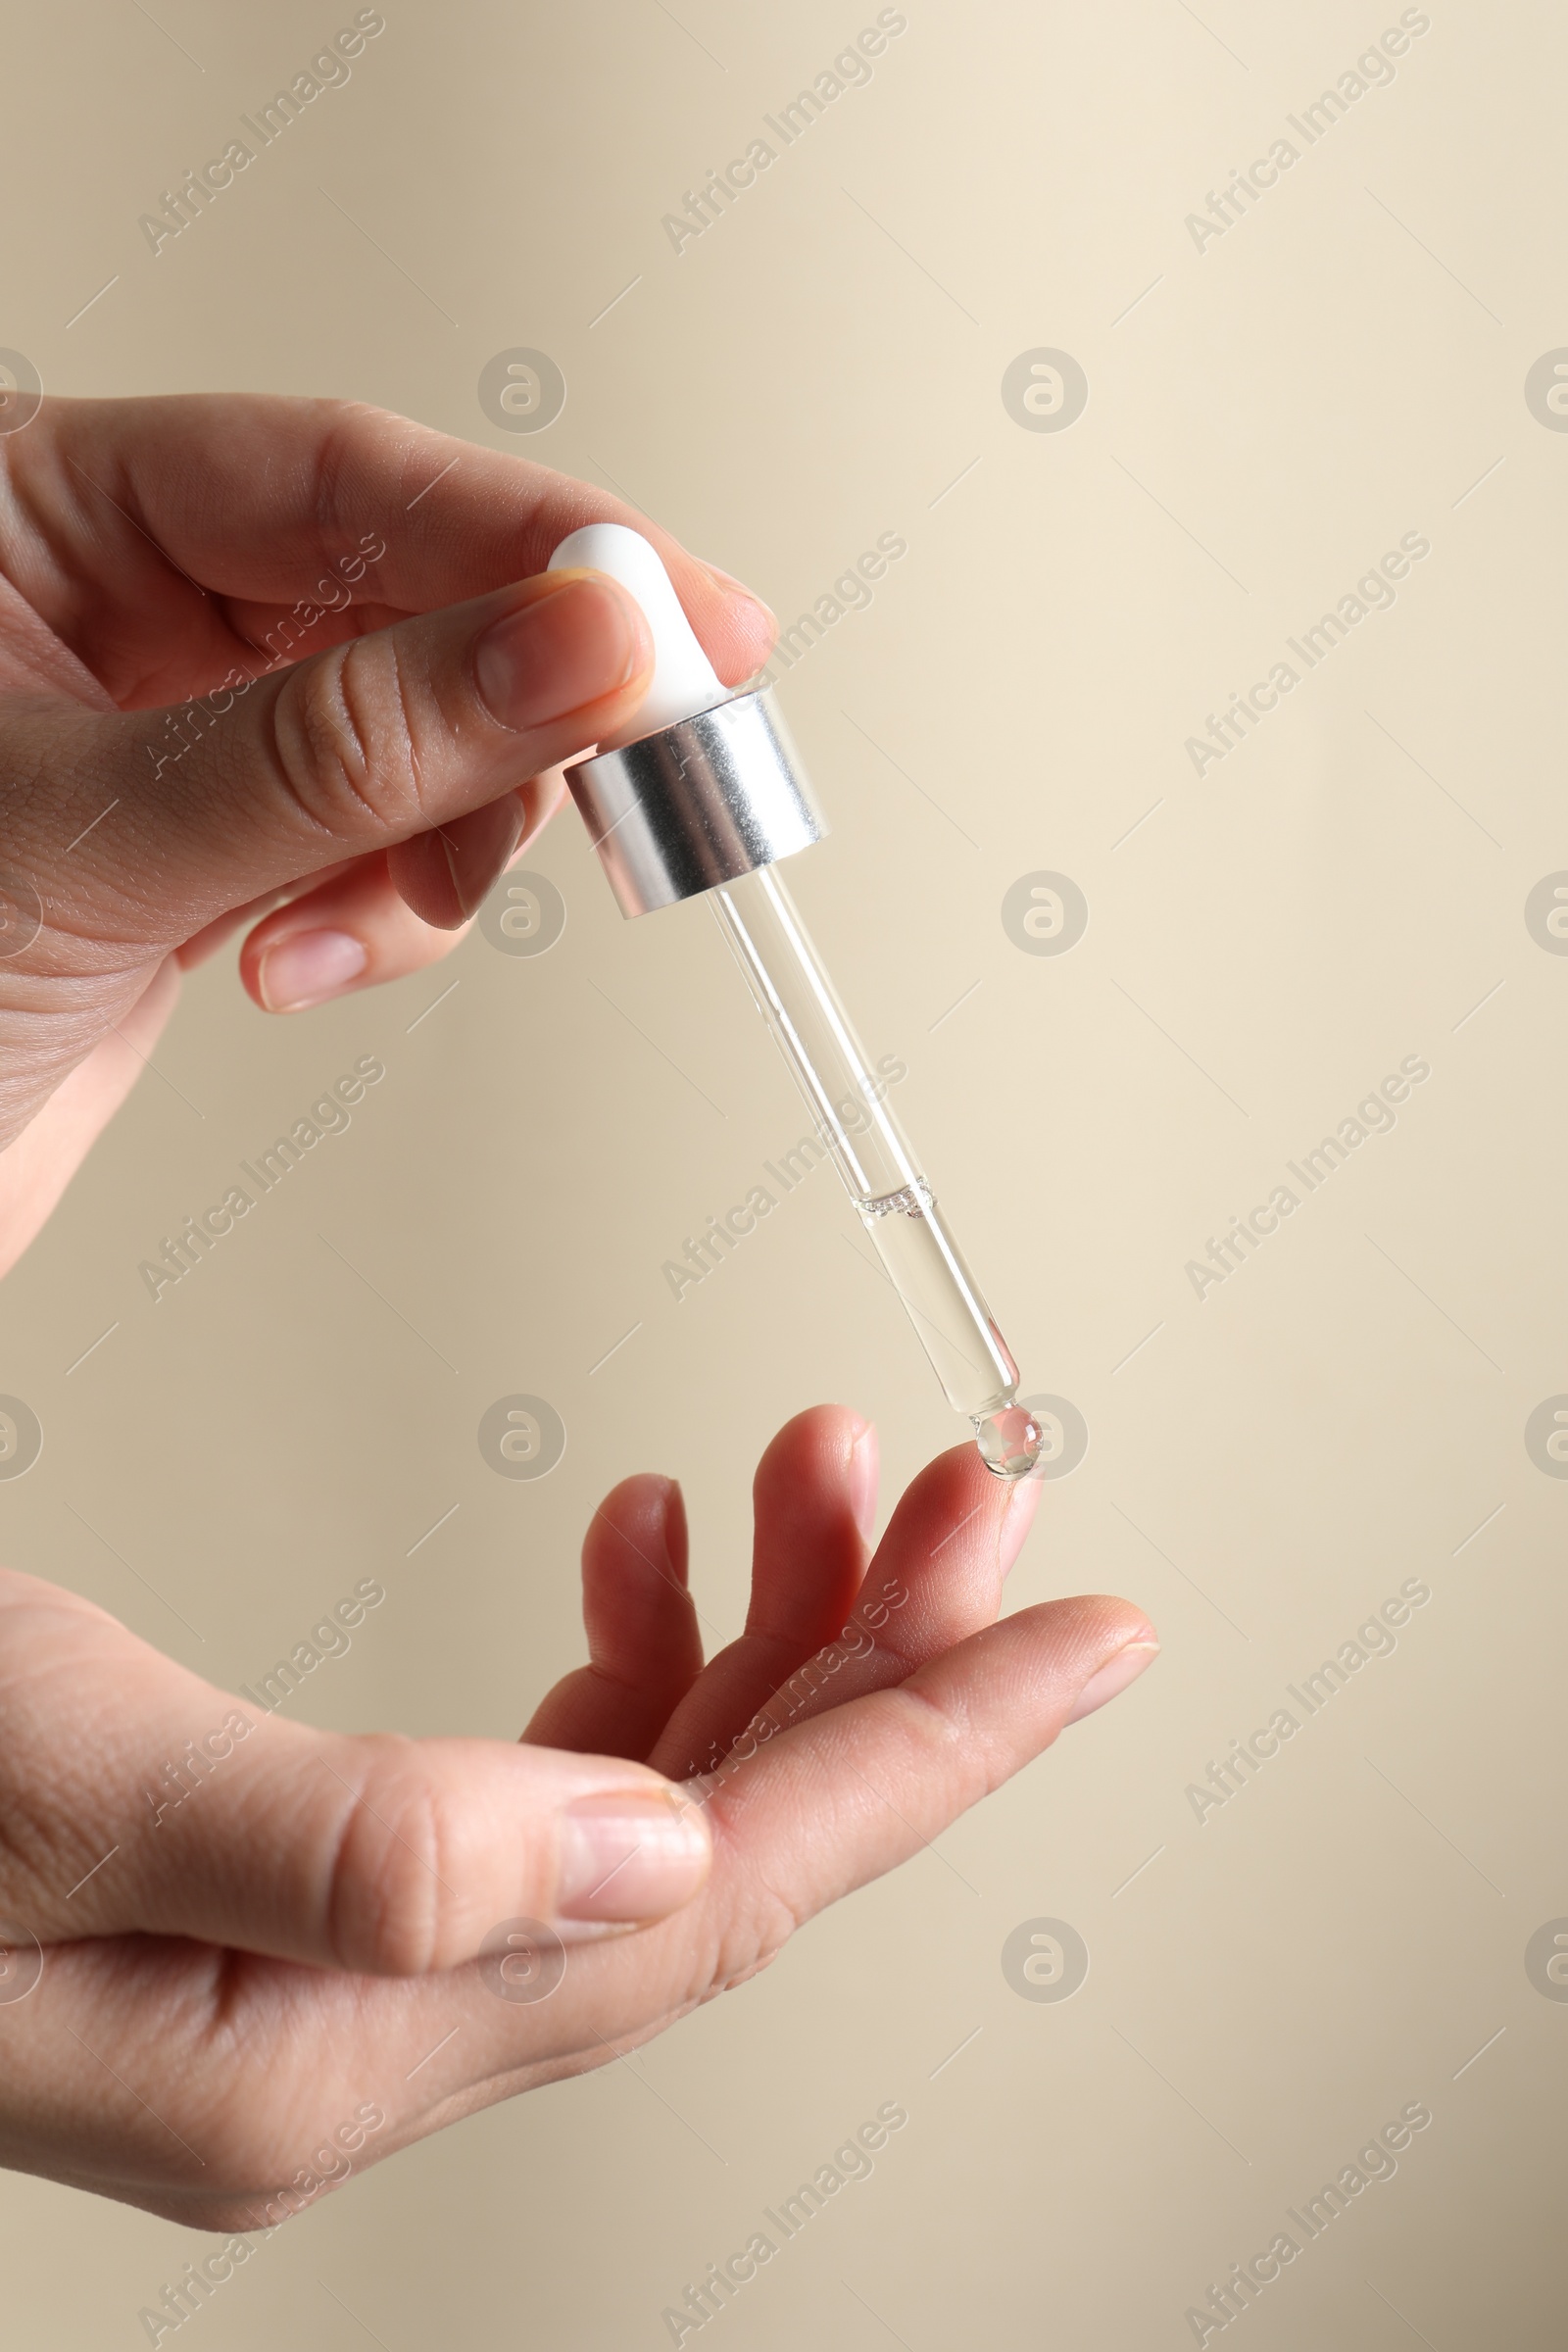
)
(971, 1357)
(1010, 1440)
(854, 1122)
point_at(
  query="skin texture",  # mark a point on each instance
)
(211, 1980)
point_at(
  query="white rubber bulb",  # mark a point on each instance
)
(684, 680)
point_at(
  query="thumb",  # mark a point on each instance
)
(279, 777)
(382, 1854)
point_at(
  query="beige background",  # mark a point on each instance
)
(1343, 366)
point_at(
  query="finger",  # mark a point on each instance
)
(367, 928)
(806, 1818)
(199, 519)
(937, 1577)
(644, 1647)
(446, 875)
(394, 948)
(363, 746)
(192, 1812)
(822, 1809)
(814, 1504)
(353, 933)
(396, 1857)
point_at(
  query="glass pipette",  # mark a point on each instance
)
(705, 801)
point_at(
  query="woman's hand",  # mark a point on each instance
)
(216, 2005)
(283, 666)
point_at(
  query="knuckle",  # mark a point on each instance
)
(935, 1721)
(343, 737)
(353, 433)
(752, 1936)
(732, 1979)
(385, 1877)
(953, 1758)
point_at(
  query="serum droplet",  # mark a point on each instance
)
(1009, 1440)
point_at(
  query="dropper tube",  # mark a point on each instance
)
(848, 1107)
(705, 801)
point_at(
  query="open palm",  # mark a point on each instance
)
(335, 1945)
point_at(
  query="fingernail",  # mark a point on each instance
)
(864, 1477)
(539, 799)
(1109, 1679)
(478, 846)
(1017, 1519)
(734, 587)
(585, 640)
(672, 1529)
(627, 1856)
(308, 967)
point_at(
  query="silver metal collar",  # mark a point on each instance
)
(699, 802)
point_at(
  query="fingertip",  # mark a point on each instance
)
(570, 642)
(351, 932)
(865, 1468)
(675, 1532)
(1129, 1654)
(733, 625)
(541, 796)
(445, 875)
(641, 1520)
(1103, 1622)
(811, 1499)
(957, 1504)
(1023, 1500)
(308, 967)
(822, 1438)
(745, 627)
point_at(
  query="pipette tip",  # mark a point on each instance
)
(1010, 1441)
